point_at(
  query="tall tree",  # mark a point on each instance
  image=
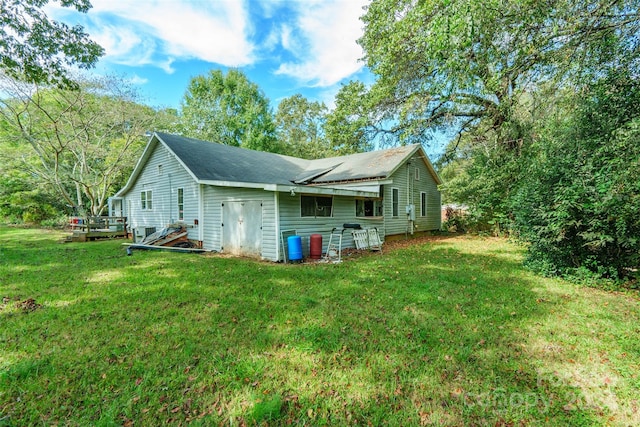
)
(299, 127)
(503, 73)
(462, 63)
(350, 127)
(82, 143)
(36, 49)
(228, 109)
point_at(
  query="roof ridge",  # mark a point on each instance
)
(226, 146)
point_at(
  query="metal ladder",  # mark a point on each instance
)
(334, 248)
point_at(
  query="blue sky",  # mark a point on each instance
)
(286, 47)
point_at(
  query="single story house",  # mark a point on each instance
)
(240, 201)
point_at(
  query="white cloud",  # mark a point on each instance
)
(311, 41)
(137, 80)
(125, 45)
(326, 50)
(157, 32)
(287, 40)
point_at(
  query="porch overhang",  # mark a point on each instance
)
(328, 191)
(356, 190)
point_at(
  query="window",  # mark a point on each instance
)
(316, 206)
(423, 204)
(146, 200)
(368, 207)
(159, 169)
(395, 201)
(180, 204)
(417, 175)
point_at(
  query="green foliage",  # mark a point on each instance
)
(299, 128)
(482, 174)
(456, 220)
(79, 144)
(571, 192)
(38, 50)
(22, 200)
(579, 200)
(228, 109)
(470, 63)
(348, 126)
(532, 157)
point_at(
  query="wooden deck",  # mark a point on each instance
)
(92, 228)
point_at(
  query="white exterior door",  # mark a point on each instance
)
(116, 206)
(242, 228)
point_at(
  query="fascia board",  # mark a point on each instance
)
(426, 161)
(146, 153)
(328, 191)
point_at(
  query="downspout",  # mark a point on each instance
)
(409, 199)
(276, 200)
(170, 201)
(201, 221)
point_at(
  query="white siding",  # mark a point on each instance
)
(410, 189)
(213, 199)
(163, 175)
(427, 185)
(344, 211)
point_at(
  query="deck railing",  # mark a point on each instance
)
(99, 223)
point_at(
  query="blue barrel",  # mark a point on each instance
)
(295, 248)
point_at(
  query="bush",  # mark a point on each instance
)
(55, 222)
(456, 220)
(578, 204)
(23, 201)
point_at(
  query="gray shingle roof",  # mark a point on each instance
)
(210, 161)
(369, 165)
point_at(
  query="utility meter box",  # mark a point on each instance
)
(411, 212)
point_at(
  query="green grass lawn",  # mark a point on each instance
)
(449, 331)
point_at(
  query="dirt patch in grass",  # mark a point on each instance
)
(394, 244)
(28, 305)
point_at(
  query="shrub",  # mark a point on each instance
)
(578, 203)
